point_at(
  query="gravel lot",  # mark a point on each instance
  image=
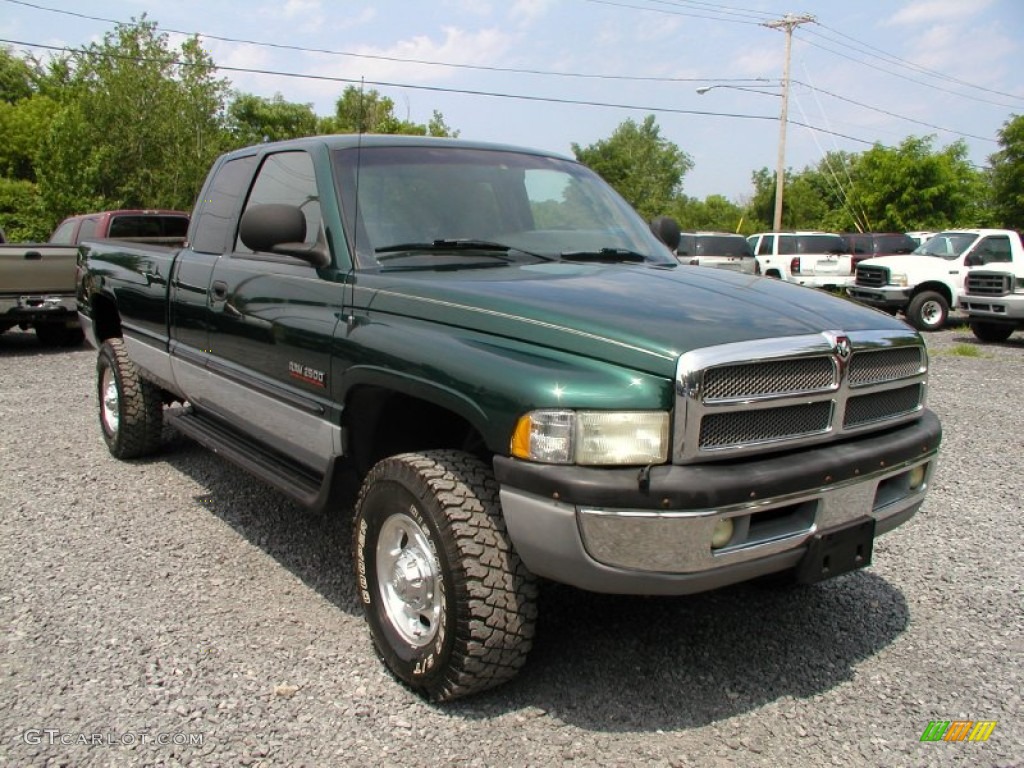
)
(150, 604)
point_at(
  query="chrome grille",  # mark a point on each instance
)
(757, 396)
(885, 365)
(771, 378)
(746, 427)
(872, 277)
(989, 284)
(865, 409)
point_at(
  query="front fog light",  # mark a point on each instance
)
(722, 533)
(916, 477)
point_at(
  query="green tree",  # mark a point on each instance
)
(645, 168)
(20, 215)
(913, 186)
(804, 205)
(252, 119)
(138, 126)
(714, 213)
(360, 111)
(23, 125)
(1007, 175)
(16, 77)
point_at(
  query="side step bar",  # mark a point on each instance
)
(304, 485)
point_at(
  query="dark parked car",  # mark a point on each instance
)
(717, 249)
(865, 245)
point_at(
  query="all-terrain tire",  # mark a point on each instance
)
(985, 331)
(130, 407)
(450, 606)
(928, 311)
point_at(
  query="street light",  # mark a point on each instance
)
(788, 23)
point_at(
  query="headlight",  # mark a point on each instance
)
(592, 437)
(900, 279)
(1018, 285)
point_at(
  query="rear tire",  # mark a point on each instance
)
(928, 311)
(450, 606)
(996, 332)
(131, 408)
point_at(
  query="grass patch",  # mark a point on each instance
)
(965, 350)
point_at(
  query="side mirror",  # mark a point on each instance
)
(666, 229)
(281, 229)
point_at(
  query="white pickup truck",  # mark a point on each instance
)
(925, 284)
(993, 300)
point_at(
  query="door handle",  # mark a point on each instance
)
(219, 290)
(33, 256)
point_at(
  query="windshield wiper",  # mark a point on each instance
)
(442, 245)
(610, 255)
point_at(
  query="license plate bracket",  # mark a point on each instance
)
(837, 551)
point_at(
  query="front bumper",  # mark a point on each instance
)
(886, 297)
(604, 530)
(1005, 308)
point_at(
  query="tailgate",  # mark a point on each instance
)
(37, 269)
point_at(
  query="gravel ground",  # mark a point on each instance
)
(177, 612)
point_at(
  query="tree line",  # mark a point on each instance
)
(132, 122)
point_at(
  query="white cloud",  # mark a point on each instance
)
(931, 11)
(528, 11)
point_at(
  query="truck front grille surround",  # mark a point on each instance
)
(989, 284)
(760, 396)
(872, 277)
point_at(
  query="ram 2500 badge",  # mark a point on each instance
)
(519, 377)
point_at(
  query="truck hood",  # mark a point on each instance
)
(915, 264)
(641, 316)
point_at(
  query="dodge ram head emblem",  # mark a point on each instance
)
(842, 347)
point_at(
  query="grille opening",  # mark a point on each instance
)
(879, 406)
(776, 377)
(745, 427)
(884, 365)
(895, 489)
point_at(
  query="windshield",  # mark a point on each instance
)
(427, 206)
(947, 245)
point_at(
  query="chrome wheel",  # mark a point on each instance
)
(932, 313)
(110, 402)
(409, 580)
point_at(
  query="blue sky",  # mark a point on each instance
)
(864, 72)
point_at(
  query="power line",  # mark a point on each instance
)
(381, 57)
(441, 89)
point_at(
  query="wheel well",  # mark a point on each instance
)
(381, 423)
(106, 322)
(940, 288)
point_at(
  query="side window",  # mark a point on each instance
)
(288, 178)
(765, 248)
(994, 249)
(214, 226)
(87, 230)
(64, 233)
(787, 245)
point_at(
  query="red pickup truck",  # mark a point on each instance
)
(37, 280)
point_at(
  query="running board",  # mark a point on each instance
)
(301, 483)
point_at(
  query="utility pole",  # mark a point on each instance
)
(788, 23)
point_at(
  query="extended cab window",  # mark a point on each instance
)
(287, 178)
(64, 233)
(213, 225)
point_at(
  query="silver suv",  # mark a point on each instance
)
(722, 250)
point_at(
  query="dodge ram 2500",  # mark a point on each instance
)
(520, 379)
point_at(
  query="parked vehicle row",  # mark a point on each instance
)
(924, 285)
(37, 280)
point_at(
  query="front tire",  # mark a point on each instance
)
(996, 332)
(131, 408)
(450, 606)
(928, 311)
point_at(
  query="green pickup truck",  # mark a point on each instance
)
(513, 378)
